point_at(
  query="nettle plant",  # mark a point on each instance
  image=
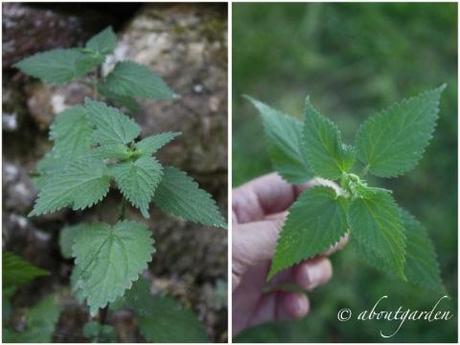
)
(388, 144)
(97, 147)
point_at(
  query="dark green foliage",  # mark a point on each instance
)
(354, 59)
(96, 146)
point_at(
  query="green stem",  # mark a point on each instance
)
(123, 208)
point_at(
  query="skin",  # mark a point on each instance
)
(259, 209)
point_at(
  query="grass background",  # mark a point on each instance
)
(353, 59)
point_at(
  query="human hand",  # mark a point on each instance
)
(259, 209)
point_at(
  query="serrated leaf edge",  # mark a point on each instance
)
(18, 66)
(400, 274)
(130, 280)
(173, 95)
(69, 205)
(267, 142)
(145, 212)
(377, 115)
(430, 244)
(346, 232)
(217, 225)
(341, 145)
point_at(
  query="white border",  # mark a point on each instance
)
(230, 169)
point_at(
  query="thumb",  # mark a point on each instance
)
(253, 243)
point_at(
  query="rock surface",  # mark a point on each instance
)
(186, 45)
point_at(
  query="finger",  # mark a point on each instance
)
(308, 274)
(292, 306)
(313, 273)
(273, 216)
(262, 196)
(252, 244)
(280, 306)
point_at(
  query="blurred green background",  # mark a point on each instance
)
(353, 59)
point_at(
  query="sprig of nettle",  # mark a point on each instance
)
(96, 146)
(388, 144)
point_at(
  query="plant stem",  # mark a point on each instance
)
(123, 207)
(103, 315)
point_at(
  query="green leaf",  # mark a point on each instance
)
(422, 267)
(41, 322)
(111, 151)
(391, 142)
(109, 259)
(138, 181)
(49, 163)
(45, 167)
(127, 102)
(57, 66)
(153, 143)
(180, 195)
(137, 298)
(283, 134)
(161, 319)
(71, 132)
(326, 154)
(77, 283)
(316, 221)
(112, 126)
(17, 271)
(377, 229)
(79, 185)
(52, 163)
(66, 239)
(134, 80)
(169, 322)
(104, 42)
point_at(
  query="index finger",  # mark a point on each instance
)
(263, 196)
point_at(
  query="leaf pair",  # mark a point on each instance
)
(95, 144)
(127, 81)
(388, 144)
(59, 66)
